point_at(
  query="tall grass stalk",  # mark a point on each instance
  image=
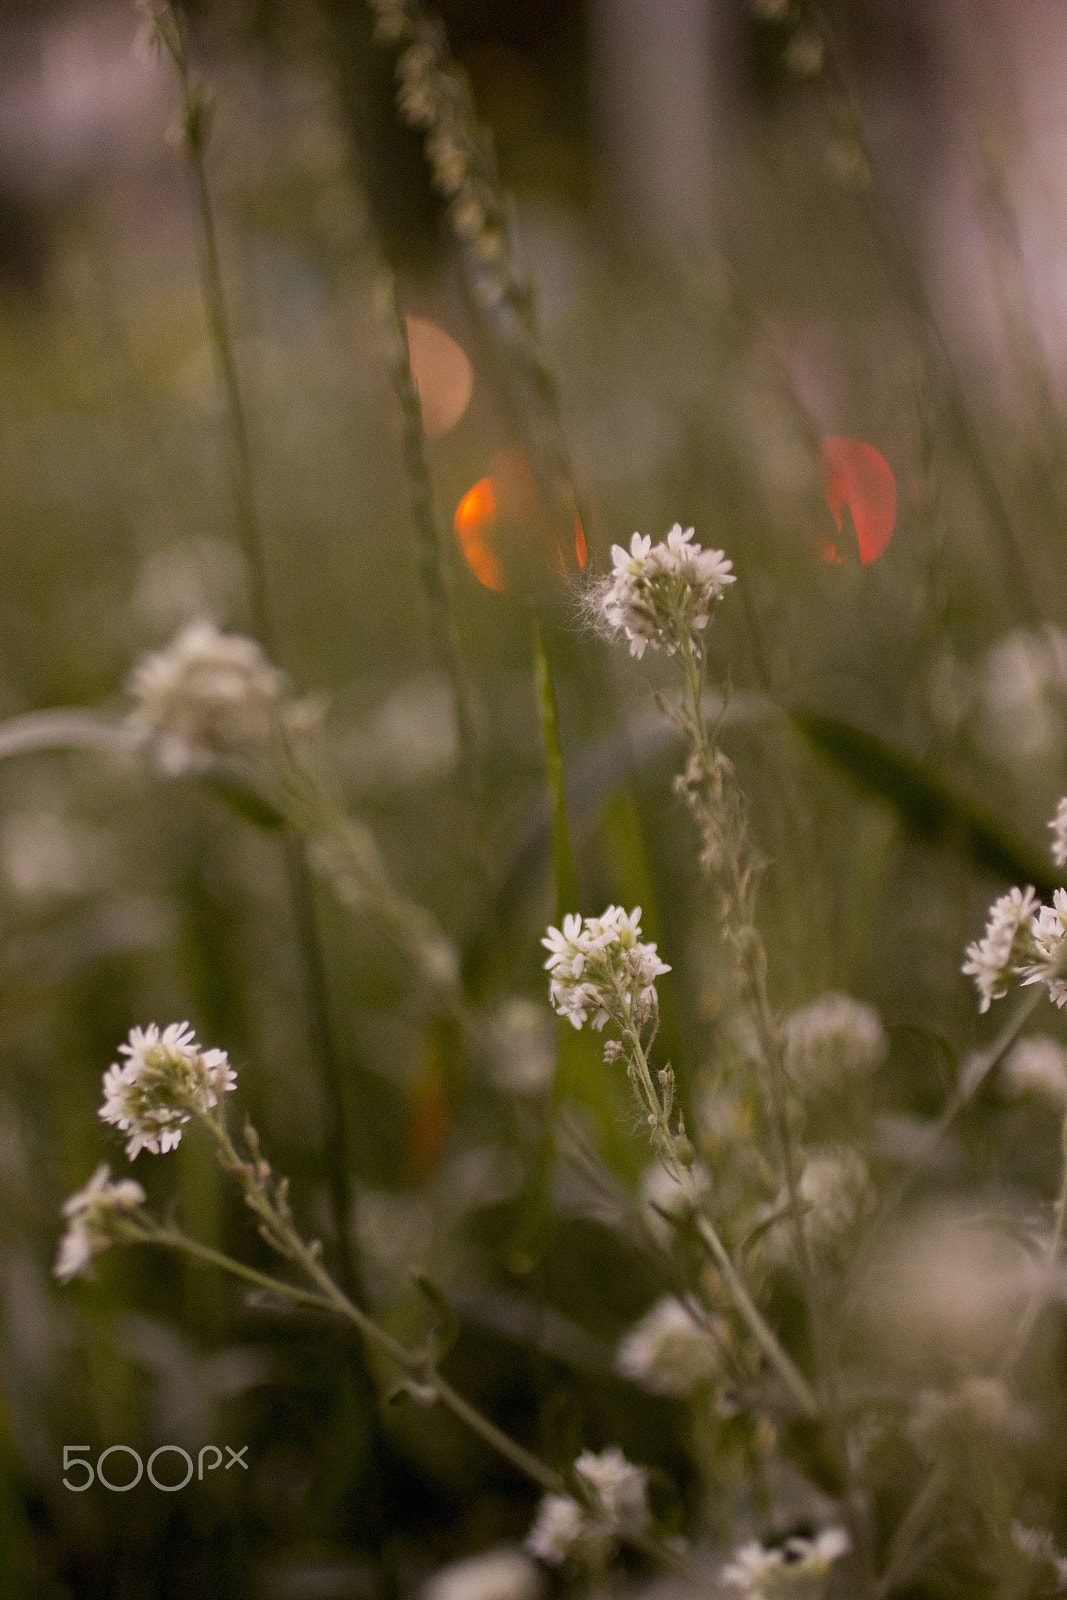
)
(432, 562)
(171, 33)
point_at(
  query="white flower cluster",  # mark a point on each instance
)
(669, 1352)
(498, 1574)
(662, 594)
(615, 1504)
(600, 966)
(833, 1041)
(982, 1405)
(92, 1214)
(1048, 938)
(208, 696)
(1021, 696)
(1023, 939)
(796, 1569)
(166, 1079)
(999, 955)
(835, 1192)
(1037, 1544)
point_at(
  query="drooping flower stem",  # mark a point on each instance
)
(267, 1197)
(428, 1385)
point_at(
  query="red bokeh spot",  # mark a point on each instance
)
(474, 522)
(856, 475)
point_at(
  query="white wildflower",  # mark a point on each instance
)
(92, 1215)
(1037, 1067)
(669, 1351)
(832, 1040)
(166, 1079)
(523, 1052)
(662, 594)
(599, 966)
(835, 1192)
(561, 1528)
(986, 1406)
(46, 855)
(500, 1574)
(391, 19)
(797, 1569)
(1022, 688)
(805, 54)
(617, 1489)
(208, 696)
(996, 958)
(663, 1197)
(615, 1504)
(949, 1280)
(1037, 1544)
(1059, 834)
(1048, 941)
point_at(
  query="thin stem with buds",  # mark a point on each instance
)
(710, 787)
(675, 1153)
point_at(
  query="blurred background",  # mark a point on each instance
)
(802, 281)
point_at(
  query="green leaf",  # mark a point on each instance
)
(446, 1323)
(925, 801)
(249, 805)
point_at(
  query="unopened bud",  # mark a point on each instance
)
(683, 1149)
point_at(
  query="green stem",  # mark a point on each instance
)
(480, 1424)
(763, 1334)
(176, 1240)
(902, 1546)
(431, 558)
